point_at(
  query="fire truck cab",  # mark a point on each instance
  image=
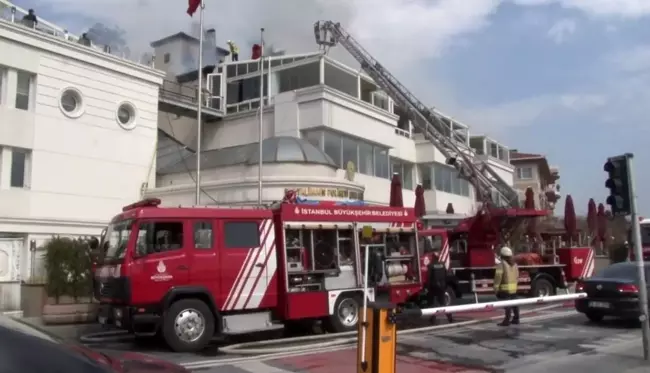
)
(188, 274)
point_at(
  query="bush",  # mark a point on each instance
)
(68, 268)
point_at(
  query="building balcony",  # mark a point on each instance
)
(181, 99)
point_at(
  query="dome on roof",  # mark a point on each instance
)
(289, 149)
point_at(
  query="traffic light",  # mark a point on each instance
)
(618, 184)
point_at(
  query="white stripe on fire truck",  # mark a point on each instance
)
(587, 271)
(262, 285)
(444, 254)
(253, 270)
(243, 271)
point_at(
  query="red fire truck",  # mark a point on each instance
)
(188, 274)
(468, 252)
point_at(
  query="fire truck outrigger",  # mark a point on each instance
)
(190, 273)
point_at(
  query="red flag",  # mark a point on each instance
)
(192, 6)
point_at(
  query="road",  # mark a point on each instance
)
(548, 341)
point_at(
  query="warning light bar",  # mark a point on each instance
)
(148, 202)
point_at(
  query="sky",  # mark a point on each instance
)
(565, 78)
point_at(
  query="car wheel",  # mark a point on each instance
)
(347, 312)
(188, 325)
(595, 317)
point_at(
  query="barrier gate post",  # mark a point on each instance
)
(380, 340)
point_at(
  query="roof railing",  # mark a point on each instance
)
(14, 14)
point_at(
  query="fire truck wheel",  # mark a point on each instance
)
(346, 313)
(188, 325)
(450, 296)
(542, 287)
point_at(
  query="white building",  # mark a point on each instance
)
(77, 141)
(321, 120)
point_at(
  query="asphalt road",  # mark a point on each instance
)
(549, 341)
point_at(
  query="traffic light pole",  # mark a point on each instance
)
(638, 253)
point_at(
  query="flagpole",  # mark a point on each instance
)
(261, 125)
(199, 110)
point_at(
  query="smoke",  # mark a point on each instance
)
(113, 37)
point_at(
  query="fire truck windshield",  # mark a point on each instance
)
(117, 236)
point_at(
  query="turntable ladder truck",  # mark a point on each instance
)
(500, 213)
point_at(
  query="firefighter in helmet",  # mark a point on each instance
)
(505, 284)
(437, 281)
(234, 50)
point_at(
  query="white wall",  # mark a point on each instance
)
(82, 169)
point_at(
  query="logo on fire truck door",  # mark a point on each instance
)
(162, 274)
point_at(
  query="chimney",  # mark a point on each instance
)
(210, 48)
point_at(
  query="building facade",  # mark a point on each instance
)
(533, 171)
(315, 108)
(78, 134)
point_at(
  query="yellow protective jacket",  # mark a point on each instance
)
(505, 278)
(234, 49)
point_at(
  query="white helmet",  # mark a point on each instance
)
(505, 251)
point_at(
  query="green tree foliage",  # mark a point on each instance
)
(68, 267)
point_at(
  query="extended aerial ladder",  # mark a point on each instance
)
(491, 190)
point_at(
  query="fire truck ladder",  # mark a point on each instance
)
(490, 188)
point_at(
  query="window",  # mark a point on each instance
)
(315, 138)
(159, 237)
(445, 179)
(166, 58)
(202, 235)
(365, 159)
(430, 244)
(494, 150)
(241, 235)
(18, 168)
(381, 163)
(340, 80)
(71, 103)
(333, 147)
(524, 173)
(405, 172)
(349, 152)
(3, 73)
(126, 116)
(22, 90)
(425, 176)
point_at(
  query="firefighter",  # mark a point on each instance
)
(234, 50)
(505, 284)
(437, 286)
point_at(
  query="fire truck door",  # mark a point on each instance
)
(249, 258)
(160, 260)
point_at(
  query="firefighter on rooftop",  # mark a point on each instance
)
(234, 50)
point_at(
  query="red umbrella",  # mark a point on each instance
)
(450, 208)
(396, 191)
(570, 218)
(592, 222)
(420, 207)
(529, 203)
(601, 220)
(531, 228)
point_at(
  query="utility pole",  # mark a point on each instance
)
(199, 110)
(261, 124)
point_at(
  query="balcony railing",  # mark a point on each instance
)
(186, 95)
(13, 14)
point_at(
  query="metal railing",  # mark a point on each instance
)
(14, 15)
(188, 94)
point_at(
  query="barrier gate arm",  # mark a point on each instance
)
(376, 345)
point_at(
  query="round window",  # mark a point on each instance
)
(126, 116)
(71, 103)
